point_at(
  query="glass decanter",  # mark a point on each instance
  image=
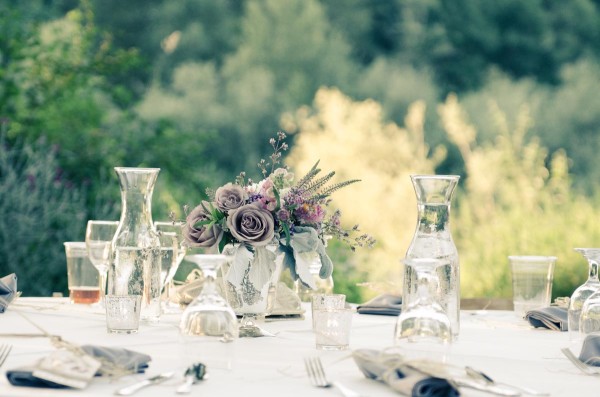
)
(209, 314)
(136, 265)
(583, 292)
(432, 239)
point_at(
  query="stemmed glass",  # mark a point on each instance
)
(98, 239)
(209, 314)
(174, 250)
(583, 292)
(424, 320)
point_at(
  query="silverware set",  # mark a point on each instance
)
(476, 380)
(193, 374)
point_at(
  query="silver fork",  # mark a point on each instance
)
(4, 351)
(583, 367)
(317, 376)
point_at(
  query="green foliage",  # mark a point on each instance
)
(39, 211)
(515, 200)
(565, 117)
(461, 39)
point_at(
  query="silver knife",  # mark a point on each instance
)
(129, 390)
(489, 388)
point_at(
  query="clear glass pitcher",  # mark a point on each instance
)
(433, 240)
(136, 265)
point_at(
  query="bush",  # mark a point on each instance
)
(39, 211)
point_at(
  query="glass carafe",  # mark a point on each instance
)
(136, 245)
(433, 240)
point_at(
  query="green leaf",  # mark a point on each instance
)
(277, 198)
(286, 230)
(309, 175)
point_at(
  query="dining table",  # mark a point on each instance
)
(496, 342)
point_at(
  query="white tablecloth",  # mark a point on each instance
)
(496, 342)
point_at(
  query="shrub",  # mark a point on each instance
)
(39, 211)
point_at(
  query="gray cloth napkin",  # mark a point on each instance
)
(128, 359)
(401, 378)
(551, 317)
(590, 350)
(8, 290)
(131, 360)
(386, 304)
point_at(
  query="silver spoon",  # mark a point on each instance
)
(193, 374)
(482, 376)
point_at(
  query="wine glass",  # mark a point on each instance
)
(209, 314)
(98, 239)
(173, 246)
(583, 292)
(424, 320)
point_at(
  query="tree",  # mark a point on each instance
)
(461, 39)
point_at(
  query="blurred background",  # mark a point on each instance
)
(505, 94)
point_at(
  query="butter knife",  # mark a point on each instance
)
(129, 390)
(494, 389)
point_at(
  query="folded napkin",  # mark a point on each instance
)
(401, 376)
(128, 360)
(590, 350)
(551, 317)
(8, 290)
(386, 304)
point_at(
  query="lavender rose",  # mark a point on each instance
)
(201, 235)
(230, 197)
(252, 224)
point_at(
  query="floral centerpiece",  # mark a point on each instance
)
(279, 213)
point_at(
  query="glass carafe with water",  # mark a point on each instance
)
(433, 240)
(136, 265)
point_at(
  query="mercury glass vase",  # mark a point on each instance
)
(432, 240)
(250, 284)
(136, 265)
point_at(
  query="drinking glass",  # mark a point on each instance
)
(585, 290)
(123, 313)
(209, 314)
(98, 238)
(424, 319)
(589, 321)
(332, 327)
(532, 281)
(82, 276)
(327, 302)
(170, 237)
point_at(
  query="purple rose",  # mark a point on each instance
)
(201, 235)
(230, 197)
(252, 224)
